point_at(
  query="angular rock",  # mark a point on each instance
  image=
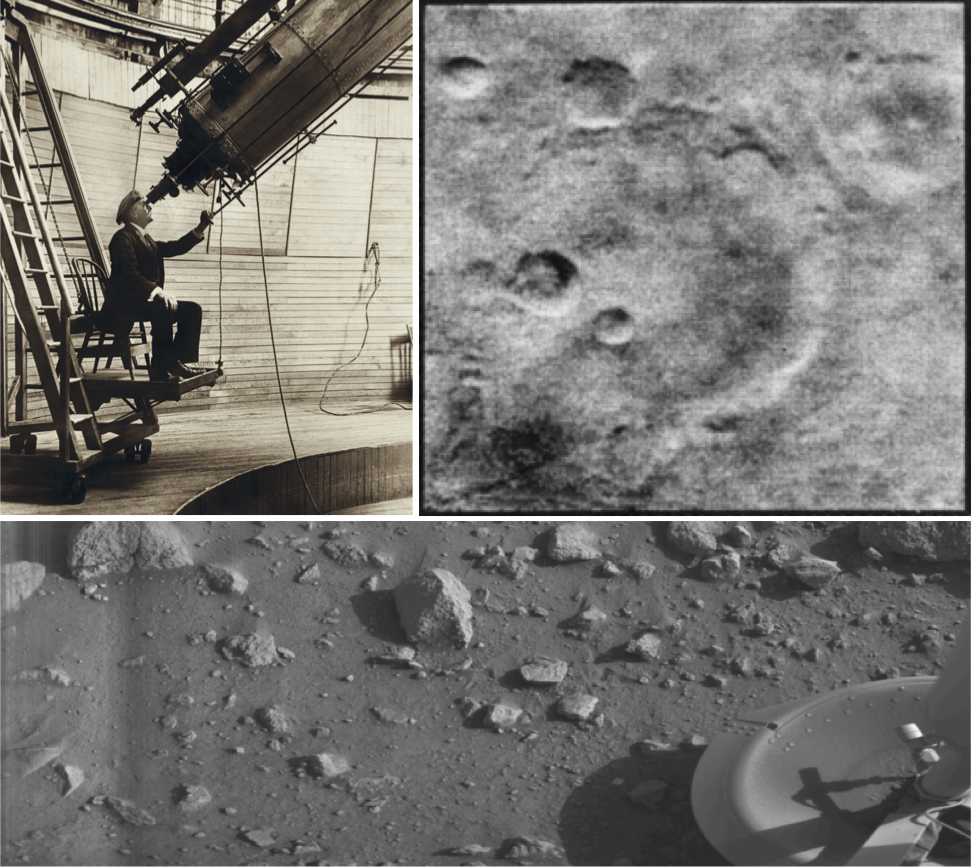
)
(814, 572)
(327, 765)
(20, 580)
(97, 547)
(345, 553)
(692, 537)
(647, 646)
(779, 555)
(250, 649)
(933, 541)
(471, 849)
(568, 542)
(161, 546)
(528, 848)
(641, 570)
(382, 561)
(739, 536)
(649, 793)
(525, 553)
(390, 716)
(273, 719)
(73, 778)
(649, 746)
(310, 575)
(435, 609)
(129, 812)
(501, 715)
(544, 672)
(223, 580)
(260, 837)
(722, 567)
(47, 673)
(192, 798)
(587, 619)
(577, 706)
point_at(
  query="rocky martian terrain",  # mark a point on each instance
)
(439, 692)
(683, 257)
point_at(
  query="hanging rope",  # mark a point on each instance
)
(276, 363)
(374, 250)
(219, 198)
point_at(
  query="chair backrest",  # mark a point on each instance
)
(90, 279)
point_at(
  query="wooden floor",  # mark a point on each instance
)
(194, 451)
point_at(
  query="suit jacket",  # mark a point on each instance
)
(137, 267)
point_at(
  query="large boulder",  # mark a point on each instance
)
(693, 537)
(435, 608)
(934, 541)
(20, 580)
(98, 547)
(568, 542)
(161, 546)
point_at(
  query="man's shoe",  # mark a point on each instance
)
(183, 371)
(158, 374)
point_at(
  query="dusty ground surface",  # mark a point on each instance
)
(422, 781)
(693, 257)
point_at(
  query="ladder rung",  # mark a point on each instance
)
(6, 163)
(32, 271)
(14, 199)
(44, 165)
(30, 93)
(75, 238)
(57, 202)
(37, 386)
(37, 128)
(25, 235)
(42, 307)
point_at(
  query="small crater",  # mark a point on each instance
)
(602, 92)
(614, 327)
(545, 275)
(465, 77)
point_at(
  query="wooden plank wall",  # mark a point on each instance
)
(320, 214)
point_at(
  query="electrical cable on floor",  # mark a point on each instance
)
(374, 249)
(276, 363)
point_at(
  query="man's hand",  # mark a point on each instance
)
(205, 221)
(169, 300)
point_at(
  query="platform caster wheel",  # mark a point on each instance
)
(30, 444)
(145, 451)
(77, 490)
(130, 454)
(71, 487)
(16, 444)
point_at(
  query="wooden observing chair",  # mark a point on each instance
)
(90, 279)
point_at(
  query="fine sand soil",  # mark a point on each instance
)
(703, 257)
(423, 778)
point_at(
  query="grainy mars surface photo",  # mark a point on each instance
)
(706, 257)
(453, 693)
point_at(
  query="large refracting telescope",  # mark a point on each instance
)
(241, 121)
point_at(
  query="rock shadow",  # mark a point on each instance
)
(378, 614)
(599, 825)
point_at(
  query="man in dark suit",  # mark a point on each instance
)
(134, 290)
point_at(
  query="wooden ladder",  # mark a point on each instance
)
(62, 157)
(31, 263)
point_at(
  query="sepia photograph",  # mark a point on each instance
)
(693, 258)
(207, 257)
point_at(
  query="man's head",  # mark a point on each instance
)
(134, 208)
